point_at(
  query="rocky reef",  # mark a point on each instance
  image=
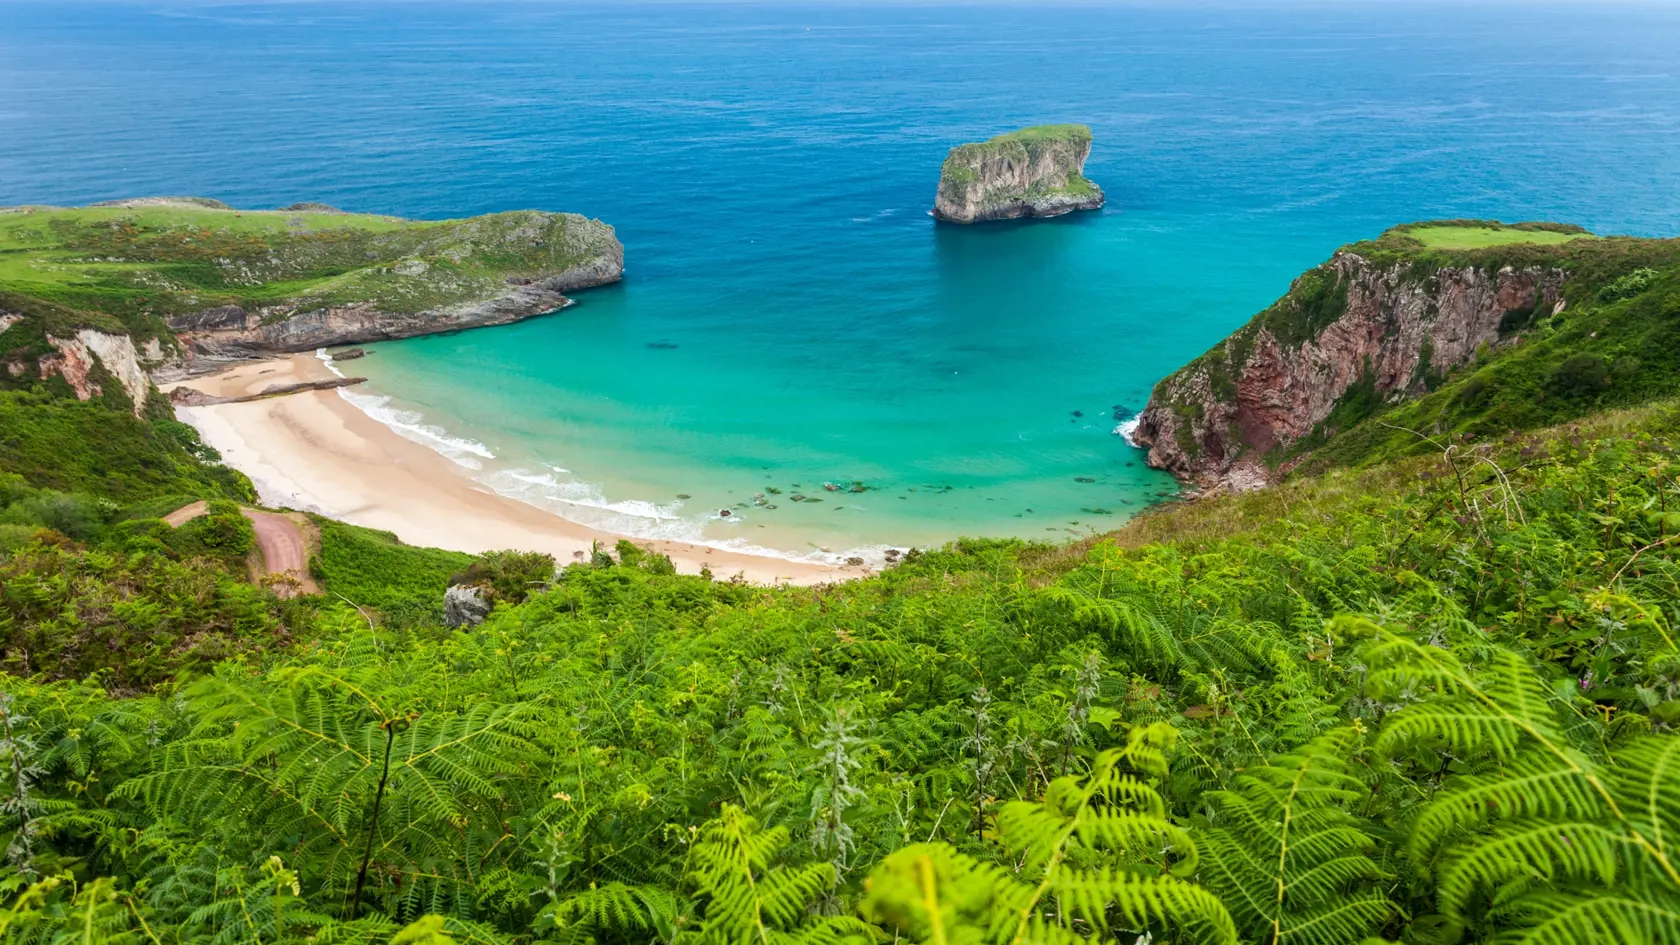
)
(1034, 172)
(1372, 326)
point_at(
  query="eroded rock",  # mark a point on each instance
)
(1034, 172)
(1214, 421)
(464, 606)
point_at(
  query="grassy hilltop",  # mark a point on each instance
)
(1431, 697)
(144, 262)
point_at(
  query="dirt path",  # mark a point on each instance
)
(284, 548)
(186, 513)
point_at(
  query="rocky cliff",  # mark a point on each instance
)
(199, 282)
(1353, 334)
(1035, 172)
(580, 253)
(95, 358)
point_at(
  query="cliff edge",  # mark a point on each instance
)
(193, 282)
(1392, 322)
(1034, 172)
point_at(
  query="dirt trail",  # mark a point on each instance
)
(186, 513)
(284, 547)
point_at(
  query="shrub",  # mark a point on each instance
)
(222, 533)
(509, 576)
(1629, 285)
(77, 516)
(1582, 375)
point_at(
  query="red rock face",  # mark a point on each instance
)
(1282, 393)
(74, 364)
(75, 360)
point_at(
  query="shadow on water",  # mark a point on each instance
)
(996, 273)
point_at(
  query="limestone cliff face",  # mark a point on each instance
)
(1230, 418)
(1036, 172)
(78, 358)
(229, 332)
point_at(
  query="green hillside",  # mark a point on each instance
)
(142, 262)
(1616, 344)
(1416, 695)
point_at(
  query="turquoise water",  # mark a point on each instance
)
(791, 316)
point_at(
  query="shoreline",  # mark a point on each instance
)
(315, 451)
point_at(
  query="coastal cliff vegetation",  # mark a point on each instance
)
(1428, 694)
(172, 272)
(1034, 172)
(1429, 333)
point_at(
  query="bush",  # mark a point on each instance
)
(14, 537)
(509, 576)
(1582, 375)
(222, 533)
(1629, 285)
(77, 516)
(137, 619)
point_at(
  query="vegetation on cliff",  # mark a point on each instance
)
(137, 266)
(1430, 699)
(1613, 343)
(1036, 171)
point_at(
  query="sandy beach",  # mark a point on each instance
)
(314, 451)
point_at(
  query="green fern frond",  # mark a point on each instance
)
(617, 907)
(1286, 855)
(1592, 918)
(747, 897)
(1525, 853)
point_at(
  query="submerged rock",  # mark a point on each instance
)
(1034, 172)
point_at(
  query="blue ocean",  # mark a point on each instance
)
(791, 316)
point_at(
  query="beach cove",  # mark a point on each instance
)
(315, 451)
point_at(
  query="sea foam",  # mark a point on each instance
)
(411, 425)
(1127, 428)
(552, 490)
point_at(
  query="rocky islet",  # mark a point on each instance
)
(1034, 172)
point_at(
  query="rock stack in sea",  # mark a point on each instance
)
(1034, 172)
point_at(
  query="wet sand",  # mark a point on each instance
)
(315, 451)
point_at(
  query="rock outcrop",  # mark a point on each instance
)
(192, 397)
(79, 357)
(593, 257)
(1035, 172)
(1236, 417)
(464, 606)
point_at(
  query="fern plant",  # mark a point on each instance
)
(1288, 857)
(1096, 856)
(1553, 834)
(340, 767)
(58, 911)
(744, 897)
